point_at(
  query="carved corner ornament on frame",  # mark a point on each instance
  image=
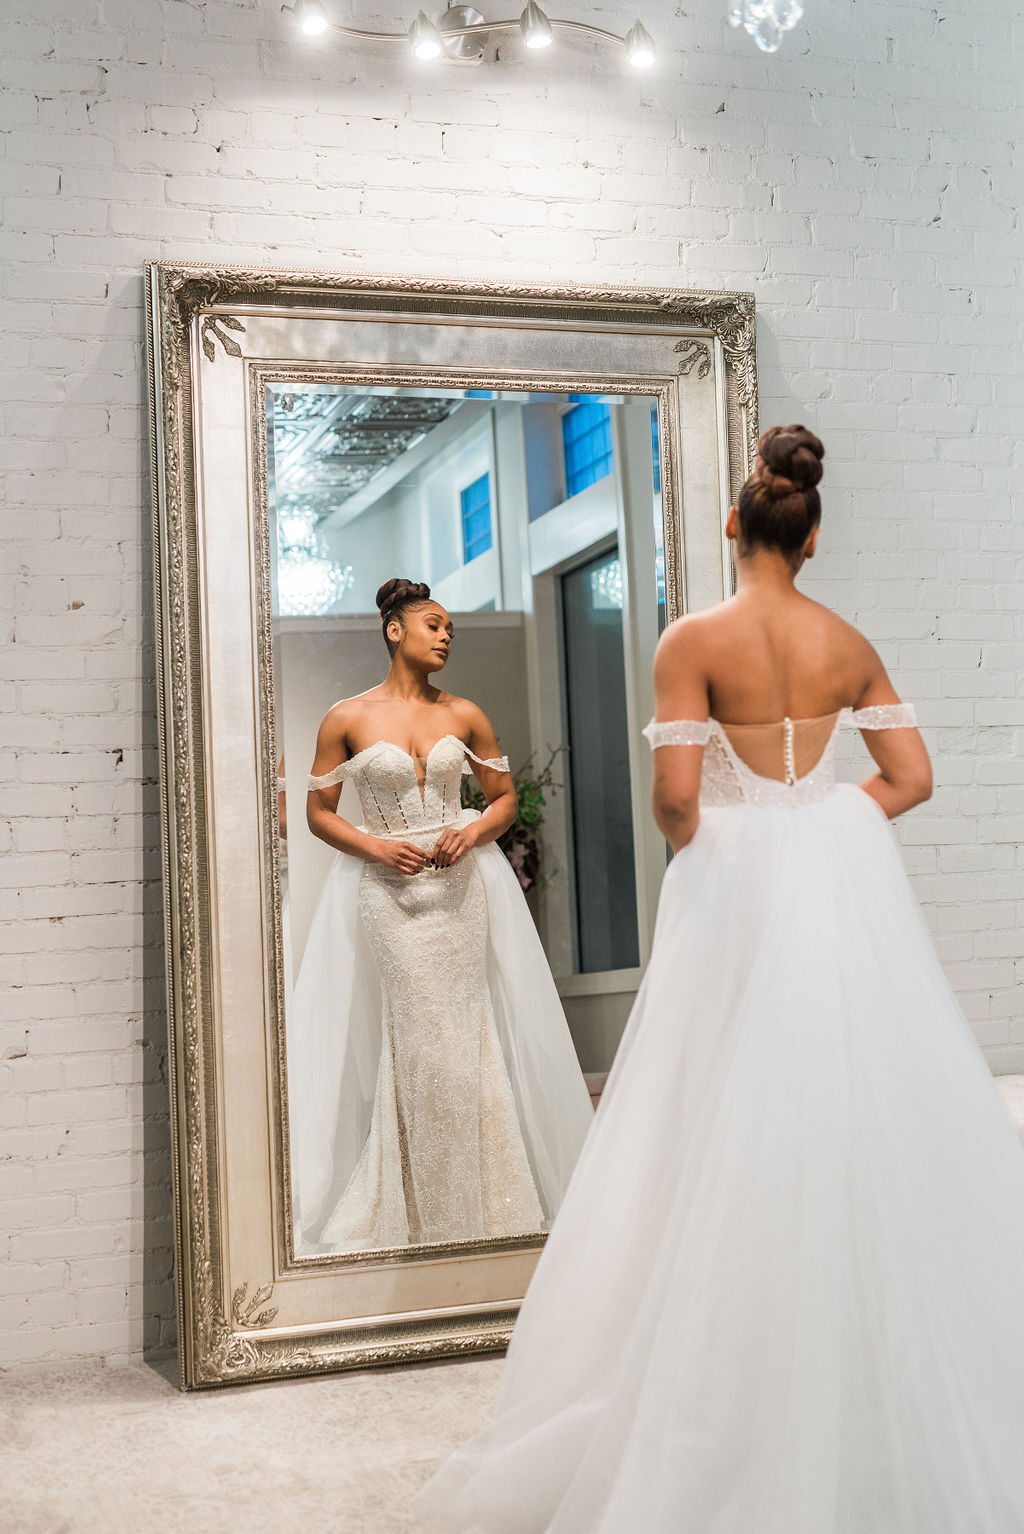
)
(227, 1334)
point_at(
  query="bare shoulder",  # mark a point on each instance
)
(690, 643)
(689, 634)
(470, 715)
(343, 715)
(843, 635)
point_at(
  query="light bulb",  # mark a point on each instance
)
(535, 26)
(640, 48)
(310, 16)
(424, 38)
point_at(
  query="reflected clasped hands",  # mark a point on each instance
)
(407, 858)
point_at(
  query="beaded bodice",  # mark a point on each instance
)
(393, 799)
(794, 758)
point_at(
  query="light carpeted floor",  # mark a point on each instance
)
(123, 1451)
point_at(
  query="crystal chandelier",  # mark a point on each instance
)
(766, 20)
(309, 583)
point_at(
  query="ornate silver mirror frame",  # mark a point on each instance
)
(248, 1308)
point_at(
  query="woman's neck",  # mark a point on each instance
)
(766, 571)
(407, 684)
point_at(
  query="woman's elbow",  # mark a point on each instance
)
(923, 787)
(676, 817)
(912, 789)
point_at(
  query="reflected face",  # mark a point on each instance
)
(424, 635)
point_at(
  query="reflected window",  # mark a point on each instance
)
(476, 518)
(587, 439)
(659, 531)
(602, 811)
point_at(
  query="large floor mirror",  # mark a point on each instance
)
(557, 467)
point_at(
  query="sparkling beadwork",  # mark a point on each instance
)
(445, 1157)
(355, 763)
(885, 716)
(678, 732)
(726, 779)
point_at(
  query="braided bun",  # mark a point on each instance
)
(779, 505)
(394, 597)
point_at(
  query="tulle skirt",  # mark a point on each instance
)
(785, 1294)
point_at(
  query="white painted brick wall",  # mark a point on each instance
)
(862, 182)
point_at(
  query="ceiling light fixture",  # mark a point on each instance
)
(424, 38)
(535, 27)
(461, 33)
(311, 17)
(640, 48)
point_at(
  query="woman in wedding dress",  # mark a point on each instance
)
(784, 1293)
(436, 1093)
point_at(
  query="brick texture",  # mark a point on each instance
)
(864, 183)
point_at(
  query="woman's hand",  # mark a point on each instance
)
(453, 844)
(404, 857)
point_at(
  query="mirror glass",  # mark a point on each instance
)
(536, 520)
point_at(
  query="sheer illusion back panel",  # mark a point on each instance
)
(788, 749)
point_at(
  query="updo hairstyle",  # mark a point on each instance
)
(394, 598)
(779, 505)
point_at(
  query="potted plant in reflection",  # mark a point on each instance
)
(521, 842)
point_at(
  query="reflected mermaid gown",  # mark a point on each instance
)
(784, 1293)
(445, 1157)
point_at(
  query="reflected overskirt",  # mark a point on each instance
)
(784, 1293)
(334, 1038)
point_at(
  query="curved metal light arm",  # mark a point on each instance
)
(480, 27)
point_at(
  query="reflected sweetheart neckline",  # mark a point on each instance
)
(421, 783)
(356, 755)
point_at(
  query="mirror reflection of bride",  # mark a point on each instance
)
(434, 1093)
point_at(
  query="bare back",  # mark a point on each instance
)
(767, 654)
(771, 654)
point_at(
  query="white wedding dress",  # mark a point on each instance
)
(434, 1092)
(785, 1294)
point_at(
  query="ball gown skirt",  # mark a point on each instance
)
(785, 1293)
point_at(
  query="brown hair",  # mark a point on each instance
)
(394, 598)
(779, 505)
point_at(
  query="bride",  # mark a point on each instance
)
(435, 1092)
(783, 1295)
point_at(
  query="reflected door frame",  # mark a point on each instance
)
(598, 1003)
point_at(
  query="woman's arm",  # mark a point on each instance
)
(680, 692)
(904, 776)
(322, 807)
(499, 791)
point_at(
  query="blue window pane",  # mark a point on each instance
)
(587, 439)
(476, 518)
(655, 451)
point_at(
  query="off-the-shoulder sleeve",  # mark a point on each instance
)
(329, 779)
(678, 732)
(495, 763)
(885, 716)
